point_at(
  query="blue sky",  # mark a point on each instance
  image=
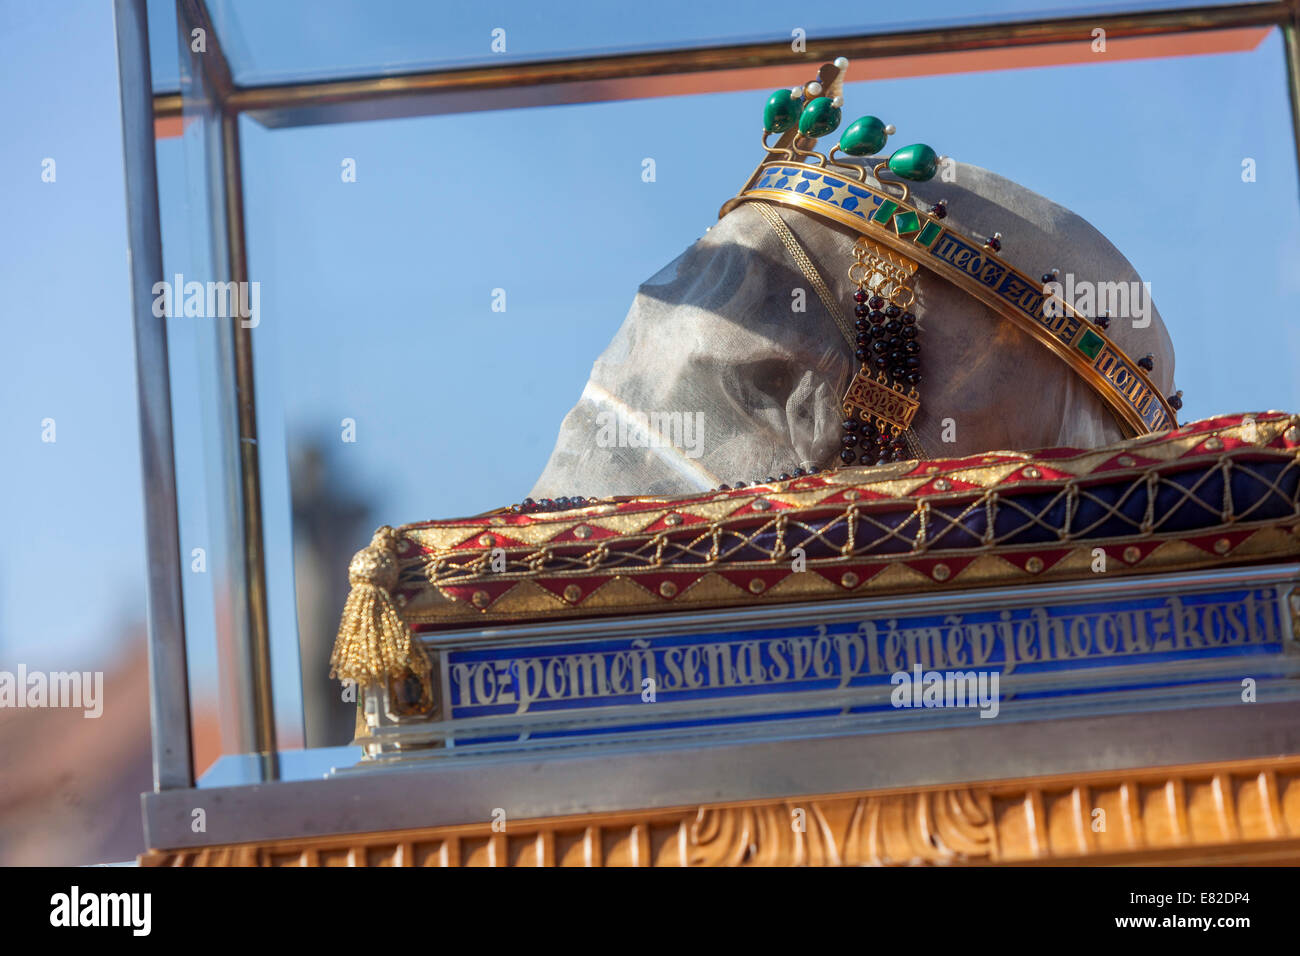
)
(376, 295)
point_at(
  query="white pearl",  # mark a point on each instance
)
(841, 62)
(837, 102)
(814, 88)
(796, 92)
(890, 130)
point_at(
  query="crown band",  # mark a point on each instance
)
(973, 268)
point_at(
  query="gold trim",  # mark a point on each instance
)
(1128, 415)
(620, 594)
(1220, 812)
(433, 583)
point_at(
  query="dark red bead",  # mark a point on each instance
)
(1147, 362)
(848, 456)
(876, 316)
(995, 244)
(893, 311)
(860, 295)
(850, 424)
(848, 440)
(876, 302)
(860, 310)
(940, 209)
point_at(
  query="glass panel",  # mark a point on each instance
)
(282, 42)
(397, 393)
(196, 256)
(164, 61)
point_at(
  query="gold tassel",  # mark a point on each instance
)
(374, 643)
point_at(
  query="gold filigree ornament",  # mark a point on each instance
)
(882, 404)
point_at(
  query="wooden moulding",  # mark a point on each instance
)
(1227, 812)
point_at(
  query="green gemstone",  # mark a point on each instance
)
(819, 117)
(917, 162)
(1090, 343)
(866, 137)
(887, 208)
(781, 111)
(906, 222)
(929, 233)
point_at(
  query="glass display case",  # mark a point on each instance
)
(394, 236)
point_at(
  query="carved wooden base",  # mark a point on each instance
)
(1238, 812)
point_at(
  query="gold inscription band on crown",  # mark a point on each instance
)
(976, 270)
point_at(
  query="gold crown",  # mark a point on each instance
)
(794, 174)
